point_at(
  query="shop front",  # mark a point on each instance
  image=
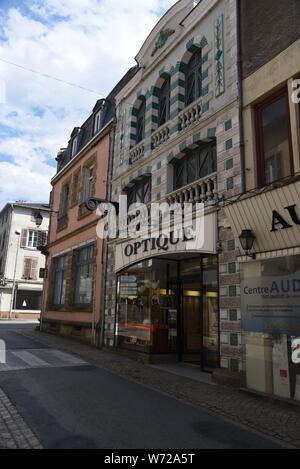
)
(167, 302)
(270, 290)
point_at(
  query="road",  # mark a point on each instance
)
(68, 403)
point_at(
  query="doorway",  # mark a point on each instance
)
(198, 312)
(169, 306)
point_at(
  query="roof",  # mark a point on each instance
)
(85, 133)
(29, 205)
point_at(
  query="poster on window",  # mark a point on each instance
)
(271, 304)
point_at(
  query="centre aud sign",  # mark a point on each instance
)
(290, 218)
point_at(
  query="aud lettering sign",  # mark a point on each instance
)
(286, 221)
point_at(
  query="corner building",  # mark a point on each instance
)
(177, 140)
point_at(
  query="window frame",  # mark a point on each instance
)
(35, 237)
(74, 146)
(77, 264)
(192, 70)
(164, 94)
(184, 163)
(97, 122)
(141, 122)
(87, 192)
(259, 135)
(140, 186)
(34, 263)
(60, 270)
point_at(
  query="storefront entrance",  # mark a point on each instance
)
(170, 306)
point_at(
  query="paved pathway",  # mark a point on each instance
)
(14, 432)
(73, 396)
(274, 419)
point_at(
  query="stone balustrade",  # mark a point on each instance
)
(161, 136)
(137, 152)
(191, 114)
(202, 191)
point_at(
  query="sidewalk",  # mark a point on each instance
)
(276, 420)
(14, 433)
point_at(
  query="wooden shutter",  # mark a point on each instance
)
(24, 237)
(34, 269)
(27, 269)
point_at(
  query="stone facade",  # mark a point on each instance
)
(212, 28)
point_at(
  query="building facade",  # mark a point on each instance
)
(75, 254)
(178, 140)
(270, 207)
(21, 288)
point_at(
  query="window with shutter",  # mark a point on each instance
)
(24, 237)
(27, 269)
(30, 271)
(34, 269)
(88, 183)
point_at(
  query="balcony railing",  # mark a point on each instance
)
(202, 191)
(137, 152)
(191, 114)
(161, 136)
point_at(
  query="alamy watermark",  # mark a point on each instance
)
(2, 352)
(296, 92)
(160, 223)
(296, 351)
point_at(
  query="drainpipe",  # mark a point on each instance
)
(241, 95)
(105, 253)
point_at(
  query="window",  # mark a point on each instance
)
(30, 269)
(65, 200)
(141, 114)
(273, 136)
(75, 188)
(197, 165)
(60, 280)
(97, 123)
(88, 185)
(32, 239)
(164, 103)
(74, 146)
(140, 192)
(84, 276)
(193, 79)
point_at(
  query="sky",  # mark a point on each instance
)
(91, 43)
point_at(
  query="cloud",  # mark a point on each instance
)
(88, 42)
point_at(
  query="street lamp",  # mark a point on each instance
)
(12, 302)
(39, 219)
(247, 239)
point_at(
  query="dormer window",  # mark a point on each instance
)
(97, 122)
(74, 146)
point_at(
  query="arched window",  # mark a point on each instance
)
(140, 116)
(193, 79)
(197, 165)
(140, 192)
(164, 102)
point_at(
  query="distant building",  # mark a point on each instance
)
(21, 289)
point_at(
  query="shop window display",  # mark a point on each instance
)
(271, 325)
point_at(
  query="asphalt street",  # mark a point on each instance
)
(69, 403)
